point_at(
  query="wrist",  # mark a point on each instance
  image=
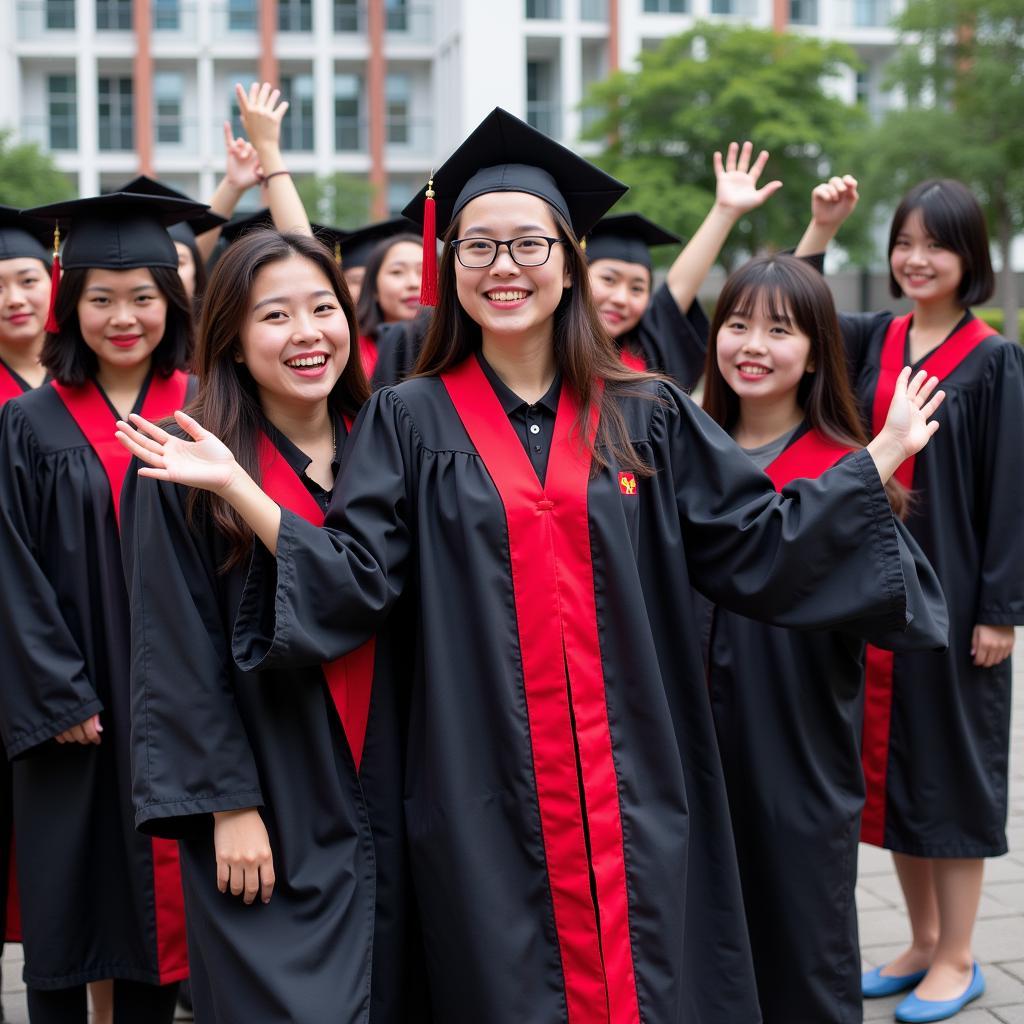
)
(270, 158)
(888, 453)
(233, 490)
(725, 214)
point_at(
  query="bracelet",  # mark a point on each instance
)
(273, 174)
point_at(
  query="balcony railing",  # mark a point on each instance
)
(409, 136)
(53, 134)
(545, 116)
(34, 17)
(116, 134)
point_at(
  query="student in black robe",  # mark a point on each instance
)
(788, 704)
(103, 902)
(937, 727)
(227, 761)
(355, 248)
(544, 510)
(665, 330)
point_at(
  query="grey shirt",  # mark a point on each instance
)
(764, 456)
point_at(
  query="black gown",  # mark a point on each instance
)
(208, 737)
(788, 708)
(945, 751)
(564, 798)
(98, 899)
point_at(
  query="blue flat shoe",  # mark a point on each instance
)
(874, 984)
(920, 1011)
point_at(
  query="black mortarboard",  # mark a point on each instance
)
(357, 245)
(504, 154)
(21, 236)
(627, 236)
(239, 226)
(186, 231)
(118, 231)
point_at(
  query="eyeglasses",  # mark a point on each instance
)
(527, 250)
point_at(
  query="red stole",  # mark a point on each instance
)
(368, 355)
(807, 457)
(879, 664)
(556, 617)
(9, 386)
(632, 359)
(940, 363)
(349, 679)
(95, 418)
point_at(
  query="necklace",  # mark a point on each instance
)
(334, 440)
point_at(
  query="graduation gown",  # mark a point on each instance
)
(937, 729)
(398, 348)
(564, 799)
(208, 737)
(104, 901)
(667, 340)
(788, 707)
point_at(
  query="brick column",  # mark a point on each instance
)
(142, 85)
(268, 39)
(613, 35)
(780, 15)
(376, 72)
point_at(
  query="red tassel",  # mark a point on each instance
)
(51, 319)
(428, 283)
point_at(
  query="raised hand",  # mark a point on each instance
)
(833, 201)
(245, 862)
(908, 423)
(204, 462)
(736, 190)
(243, 163)
(262, 114)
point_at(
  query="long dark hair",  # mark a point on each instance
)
(70, 360)
(584, 352)
(790, 291)
(953, 217)
(200, 276)
(227, 401)
(368, 311)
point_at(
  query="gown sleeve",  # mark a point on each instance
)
(820, 553)
(190, 749)
(1000, 497)
(329, 589)
(45, 686)
(672, 342)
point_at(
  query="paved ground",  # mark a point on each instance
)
(998, 939)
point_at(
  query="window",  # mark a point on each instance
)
(63, 111)
(543, 8)
(168, 87)
(297, 127)
(242, 16)
(348, 129)
(113, 15)
(872, 13)
(117, 129)
(665, 6)
(347, 16)
(398, 97)
(541, 105)
(60, 14)
(593, 10)
(803, 12)
(295, 15)
(397, 12)
(166, 15)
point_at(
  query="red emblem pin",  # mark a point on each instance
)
(627, 483)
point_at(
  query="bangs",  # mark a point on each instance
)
(763, 298)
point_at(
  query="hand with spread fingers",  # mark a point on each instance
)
(736, 179)
(262, 111)
(909, 425)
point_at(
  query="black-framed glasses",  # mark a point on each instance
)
(527, 250)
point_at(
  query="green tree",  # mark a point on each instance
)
(960, 70)
(28, 176)
(338, 200)
(713, 84)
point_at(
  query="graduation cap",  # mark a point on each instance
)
(187, 230)
(628, 237)
(22, 237)
(504, 154)
(356, 246)
(118, 231)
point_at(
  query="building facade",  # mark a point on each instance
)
(378, 88)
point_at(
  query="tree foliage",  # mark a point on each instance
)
(338, 200)
(706, 87)
(959, 70)
(29, 177)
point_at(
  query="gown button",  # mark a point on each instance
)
(545, 505)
